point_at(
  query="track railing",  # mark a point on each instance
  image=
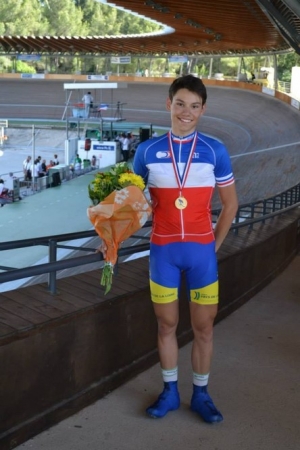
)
(247, 215)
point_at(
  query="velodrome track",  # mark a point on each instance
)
(261, 132)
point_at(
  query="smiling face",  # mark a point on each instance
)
(186, 109)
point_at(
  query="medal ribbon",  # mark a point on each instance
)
(188, 163)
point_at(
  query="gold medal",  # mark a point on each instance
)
(181, 203)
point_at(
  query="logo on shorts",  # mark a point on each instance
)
(197, 295)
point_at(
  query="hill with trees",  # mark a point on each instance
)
(68, 18)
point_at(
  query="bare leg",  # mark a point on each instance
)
(202, 319)
(167, 319)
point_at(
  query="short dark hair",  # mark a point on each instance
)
(191, 83)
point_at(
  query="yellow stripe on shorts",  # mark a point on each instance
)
(208, 295)
(162, 294)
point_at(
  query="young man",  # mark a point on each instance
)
(181, 169)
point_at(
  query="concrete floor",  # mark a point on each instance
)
(254, 381)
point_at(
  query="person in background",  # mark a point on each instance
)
(181, 169)
(88, 101)
(77, 164)
(39, 163)
(94, 162)
(10, 185)
(27, 169)
(35, 172)
(43, 168)
(55, 160)
(125, 146)
(51, 164)
(3, 190)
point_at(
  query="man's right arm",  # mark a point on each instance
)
(139, 165)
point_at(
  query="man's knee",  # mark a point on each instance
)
(167, 327)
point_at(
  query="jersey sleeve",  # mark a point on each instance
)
(223, 170)
(139, 163)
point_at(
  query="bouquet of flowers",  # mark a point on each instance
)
(120, 209)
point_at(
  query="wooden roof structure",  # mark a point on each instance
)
(189, 27)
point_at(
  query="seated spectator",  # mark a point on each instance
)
(10, 185)
(3, 190)
(51, 164)
(10, 181)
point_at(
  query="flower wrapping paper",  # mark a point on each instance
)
(118, 216)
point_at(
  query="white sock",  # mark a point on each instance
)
(170, 374)
(199, 379)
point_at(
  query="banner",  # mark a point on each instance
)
(295, 103)
(33, 75)
(97, 77)
(178, 59)
(28, 57)
(120, 59)
(268, 91)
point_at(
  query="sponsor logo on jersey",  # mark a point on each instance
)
(162, 155)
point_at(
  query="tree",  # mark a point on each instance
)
(68, 18)
(285, 63)
(23, 17)
(131, 24)
(101, 19)
(64, 18)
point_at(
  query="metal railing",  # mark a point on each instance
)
(247, 215)
(284, 86)
(259, 211)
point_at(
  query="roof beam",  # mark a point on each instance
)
(294, 6)
(286, 29)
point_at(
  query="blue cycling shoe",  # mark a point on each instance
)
(202, 404)
(168, 400)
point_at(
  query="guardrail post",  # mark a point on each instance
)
(52, 275)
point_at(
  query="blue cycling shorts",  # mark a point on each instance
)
(197, 261)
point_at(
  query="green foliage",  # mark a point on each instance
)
(23, 67)
(64, 18)
(91, 18)
(105, 183)
(285, 64)
(22, 17)
(68, 18)
(5, 64)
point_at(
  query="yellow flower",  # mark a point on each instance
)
(118, 177)
(126, 179)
